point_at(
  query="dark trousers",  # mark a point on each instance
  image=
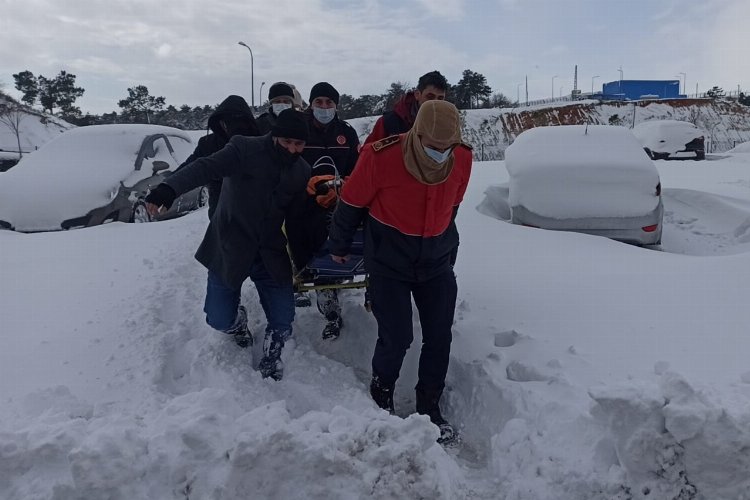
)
(391, 304)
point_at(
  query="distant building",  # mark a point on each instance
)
(632, 90)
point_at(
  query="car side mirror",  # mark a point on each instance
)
(159, 165)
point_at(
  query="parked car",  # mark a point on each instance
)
(671, 140)
(91, 175)
(590, 179)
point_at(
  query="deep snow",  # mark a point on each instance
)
(581, 368)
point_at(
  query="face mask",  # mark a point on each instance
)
(437, 156)
(324, 115)
(278, 107)
(287, 156)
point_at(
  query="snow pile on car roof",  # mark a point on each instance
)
(578, 171)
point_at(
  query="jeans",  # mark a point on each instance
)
(276, 299)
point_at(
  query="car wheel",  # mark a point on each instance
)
(203, 197)
(140, 214)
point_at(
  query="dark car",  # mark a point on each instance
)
(671, 140)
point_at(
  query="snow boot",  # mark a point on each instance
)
(428, 403)
(302, 299)
(382, 395)
(328, 305)
(332, 330)
(271, 364)
(243, 337)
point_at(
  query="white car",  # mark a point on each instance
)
(591, 179)
(91, 175)
(671, 140)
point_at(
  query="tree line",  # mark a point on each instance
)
(57, 95)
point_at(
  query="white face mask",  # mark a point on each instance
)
(278, 107)
(436, 155)
(324, 115)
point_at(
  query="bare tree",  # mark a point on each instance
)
(11, 115)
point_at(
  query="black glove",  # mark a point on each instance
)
(161, 196)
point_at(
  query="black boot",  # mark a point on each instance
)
(302, 299)
(332, 330)
(428, 403)
(243, 337)
(382, 395)
(271, 364)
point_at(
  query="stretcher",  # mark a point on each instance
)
(322, 272)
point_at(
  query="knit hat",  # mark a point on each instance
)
(280, 89)
(291, 124)
(324, 89)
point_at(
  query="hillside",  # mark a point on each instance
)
(490, 131)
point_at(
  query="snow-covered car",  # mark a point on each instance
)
(671, 140)
(91, 175)
(590, 179)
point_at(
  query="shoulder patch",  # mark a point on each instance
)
(384, 143)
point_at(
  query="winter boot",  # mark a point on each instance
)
(271, 364)
(382, 395)
(332, 330)
(241, 333)
(428, 403)
(302, 299)
(328, 305)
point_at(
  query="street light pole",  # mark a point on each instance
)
(592, 83)
(553, 87)
(619, 86)
(260, 93)
(252, 82)
(684, 82)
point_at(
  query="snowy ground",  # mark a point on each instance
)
(582, 368)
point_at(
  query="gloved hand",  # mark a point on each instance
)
(161, 196)
(321, 187)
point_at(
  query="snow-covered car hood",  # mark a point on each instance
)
(577, 171)
(666, 136)
(76, 172)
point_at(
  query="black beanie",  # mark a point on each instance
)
(291, 124)
(280, 89)
(324, 89)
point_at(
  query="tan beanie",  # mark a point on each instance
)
(439, 122)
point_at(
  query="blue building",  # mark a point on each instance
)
(632, 90)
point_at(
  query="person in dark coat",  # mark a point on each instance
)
(400, 119)
(232, 117)
(332, 150)
(280, 97)
(407, 189)
(264, 183)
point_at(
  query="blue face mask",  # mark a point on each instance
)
(436, 155)
(324, 115)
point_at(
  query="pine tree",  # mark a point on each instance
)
(140, 101)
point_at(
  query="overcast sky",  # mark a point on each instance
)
(187, 50)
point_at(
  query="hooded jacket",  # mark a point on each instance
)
(234, 106)
(396, 121)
